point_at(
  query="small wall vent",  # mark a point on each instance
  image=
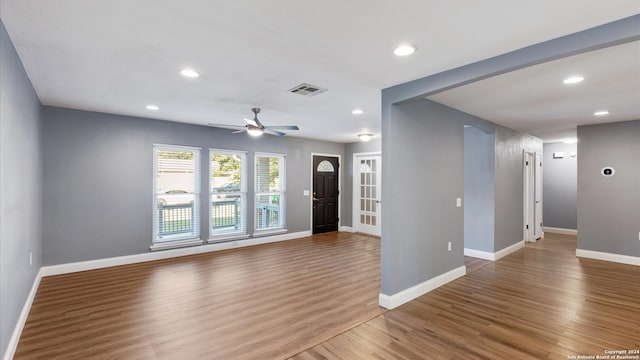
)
(307, 90)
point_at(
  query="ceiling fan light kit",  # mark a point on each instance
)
(254, 131)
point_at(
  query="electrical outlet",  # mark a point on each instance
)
(449, 246)
(30, 258)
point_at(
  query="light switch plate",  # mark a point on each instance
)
(458, 202)
(305, 193)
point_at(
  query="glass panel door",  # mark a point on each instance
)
(368, 219)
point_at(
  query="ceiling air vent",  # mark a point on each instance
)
(307, 90)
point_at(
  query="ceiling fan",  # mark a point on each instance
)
(255, 128)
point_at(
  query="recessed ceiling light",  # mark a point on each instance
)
(601, 113)
(357, 111)
(190, 73)
(404, 50)
(153, 107)
(573, 80)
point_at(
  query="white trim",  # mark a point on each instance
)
(622, 259)
(480, 254)
(339, 188)
(348, 229)
(158, 255)
(560, 230)
(404, 296)
(508, 250)
(175, 244)
(496, 255)
(229, 237)
(22, 319)
(269, 232)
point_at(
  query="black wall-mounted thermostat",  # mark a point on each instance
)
(608, 171)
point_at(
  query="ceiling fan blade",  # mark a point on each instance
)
(225, 126)
(251, 122)
(273, 132)
(239, 131)
(283, 127)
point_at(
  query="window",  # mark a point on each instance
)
(269, 191)
(176, 186)
(228, 193)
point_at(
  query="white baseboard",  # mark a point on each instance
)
(480, 254)
(166, 254)
(22, 319)
(496, 255)
(596, 255)
(509, 250)
(404, 296)
(560, 230)
(348, 229)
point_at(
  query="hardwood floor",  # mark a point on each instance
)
(263, 302)
(316, 298)
(538, 303)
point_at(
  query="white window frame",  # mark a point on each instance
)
(282, 193)
(231, 235)
(178, 240)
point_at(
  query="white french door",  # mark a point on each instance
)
(367, 194)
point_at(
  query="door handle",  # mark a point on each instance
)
(378, 201)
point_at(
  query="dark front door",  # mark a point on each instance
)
(325, 194)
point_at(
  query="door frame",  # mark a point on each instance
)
(529, 195)
(311, 189)
(537, 176)
(355, 200)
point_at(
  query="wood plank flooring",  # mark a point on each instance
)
(538, 303)
(263, 302)
(316, 298)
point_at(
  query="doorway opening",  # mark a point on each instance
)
(479, 192)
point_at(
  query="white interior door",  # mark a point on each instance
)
(367, 194)
(538, 197)
(529, 197)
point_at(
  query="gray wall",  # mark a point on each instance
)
(560, 186)
(609, 208)
(20, 187)
(479, 194)
(423, 157)
(98, 179)
(422, 154)
(375, 145)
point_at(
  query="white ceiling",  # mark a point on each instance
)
(536, 101)
(117, 56)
